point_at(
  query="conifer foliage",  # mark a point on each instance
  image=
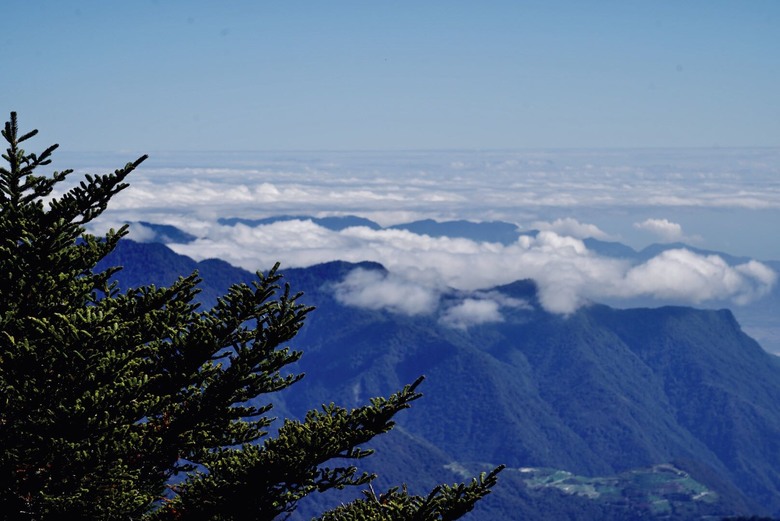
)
(136, 404)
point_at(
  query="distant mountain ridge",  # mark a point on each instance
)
(489, 231)
(761, 318)
(483, 231)
(163, 233)
(599, 393)
(331, 223)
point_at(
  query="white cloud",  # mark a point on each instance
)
(572, 227)
(472, 312)
(762, 278)
(758, 271)
(480, 307)
(685, 276)
(374, 289)
(140, 233)
(666, 230)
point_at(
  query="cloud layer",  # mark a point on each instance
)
(420, 267)
(448, 185)
(568, 195)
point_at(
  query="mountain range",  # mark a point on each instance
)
(669, 412)
(760, 318)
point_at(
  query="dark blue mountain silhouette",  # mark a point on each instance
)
(492, 231)
(601, 394)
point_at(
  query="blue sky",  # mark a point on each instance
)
(672, 109)
(347, 75)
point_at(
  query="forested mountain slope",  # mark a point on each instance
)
(596, 394)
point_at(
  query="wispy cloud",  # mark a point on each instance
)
(480, 307)
(379, 290)
(472, 312)
(139, 233)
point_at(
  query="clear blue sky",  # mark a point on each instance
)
(262, 75)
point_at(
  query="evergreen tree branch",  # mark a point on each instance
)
(107, 396)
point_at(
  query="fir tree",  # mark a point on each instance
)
(108, 398)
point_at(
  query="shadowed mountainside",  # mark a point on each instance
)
(597, 393)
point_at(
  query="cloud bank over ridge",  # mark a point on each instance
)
(665, 230)
(421, 267)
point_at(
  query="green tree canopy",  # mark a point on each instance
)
(139, 405)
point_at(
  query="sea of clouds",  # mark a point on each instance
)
(636, 197)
